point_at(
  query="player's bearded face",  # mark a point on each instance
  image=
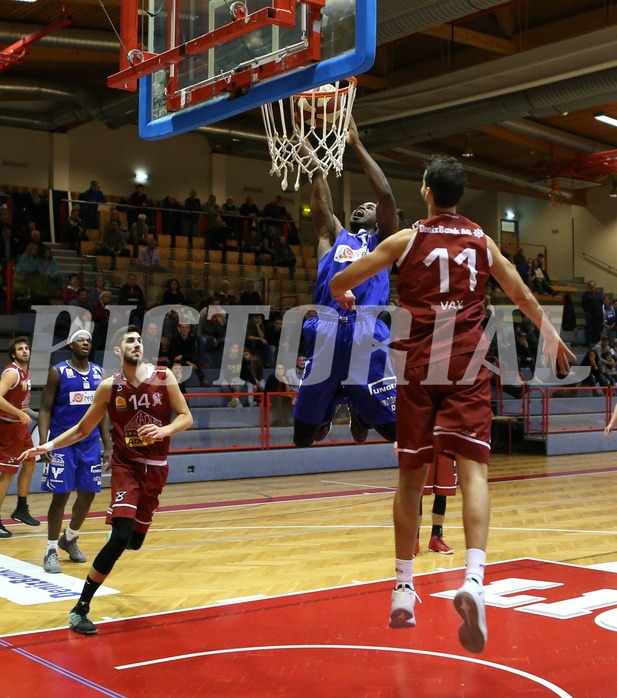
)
(133, 350)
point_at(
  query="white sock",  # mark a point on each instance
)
(70, 533)
(404, 572)
(475, 564)
(52, 545)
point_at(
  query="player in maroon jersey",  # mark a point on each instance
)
(14, 431)
(444, 263)
(139, 399)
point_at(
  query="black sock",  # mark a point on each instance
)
(437, 531)
(90, 588)
(22, 502)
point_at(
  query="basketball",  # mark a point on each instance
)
(328, 107)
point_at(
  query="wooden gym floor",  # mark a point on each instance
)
(224, 542)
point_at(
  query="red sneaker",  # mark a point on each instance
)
(437, 545)
(416, 550)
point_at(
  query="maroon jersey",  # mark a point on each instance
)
(131, 407)
(19, 394)
(441, 282)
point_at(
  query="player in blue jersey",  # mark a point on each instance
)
(66, 397)
(371, 400)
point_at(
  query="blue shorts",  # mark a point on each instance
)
(373, 395)
(74, 467)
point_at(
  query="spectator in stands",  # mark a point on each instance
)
(137, 200)
(253, 244)
(170, 324)
(29, 263)
(156, 351)
(273, 336)
(172, 215)
(192, 208)
(609, 367)
(524, 270)
(50, 271)
(89, 210)
(112, 242)
(294, 375)
(257, 368)
(149, 259)
(267, 244)
(75, 231)
(489, 308)
(212, 329)
(211, 211)
(237, 376)
(173, 294)
(97, 289)
(604, 346)
(591, 303)
(402, 221)
(230, 213)
(274, 214)
(595, 379)
(519, 257)
(131, 293)
(539, 283)
(609, 320)
(70, 292)
(224, 295)
(184, 350)
(542, 266)
(256, 340)
(100, 316)
(281, 406)
(525, 357)
(83, 301)
(139, 233)
(8, 245)
(250, 296)
(31, 236)
(249, 210)
(216, 235)
(284, 256)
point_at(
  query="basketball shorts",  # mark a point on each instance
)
(369, 384)
(135, 491)
(452, 418)
(76, 467)
(15, 438)
(441, 477)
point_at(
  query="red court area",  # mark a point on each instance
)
(336, 642)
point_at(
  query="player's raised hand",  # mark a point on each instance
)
(352, 133)
(32, 453)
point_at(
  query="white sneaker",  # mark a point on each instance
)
(469, 604)
(401, 610)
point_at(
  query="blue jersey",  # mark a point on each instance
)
(75, 394)
(346, 249)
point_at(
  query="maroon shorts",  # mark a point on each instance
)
(135, 491)
(15, 438)
(441, 476)
(452, 418)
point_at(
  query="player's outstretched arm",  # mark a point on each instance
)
(82, 429)
(509, 279)
(387, 216)
(327, 226)
(611, 424)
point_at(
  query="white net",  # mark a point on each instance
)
(308, 131)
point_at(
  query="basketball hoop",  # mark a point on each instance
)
(317, 118)
(555, 196)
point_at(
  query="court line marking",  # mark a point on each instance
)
(60, 670)
(374, 648)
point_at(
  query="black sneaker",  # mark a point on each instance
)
(323, 431)
(80, 623)
(357, 426)
(4, 533)
(22, 514)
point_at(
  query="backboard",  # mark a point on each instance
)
(200, 61)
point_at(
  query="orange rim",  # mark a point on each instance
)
(327, 93)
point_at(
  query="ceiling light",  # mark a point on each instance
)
(467, 152)
(606, 119)
(613, 193)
